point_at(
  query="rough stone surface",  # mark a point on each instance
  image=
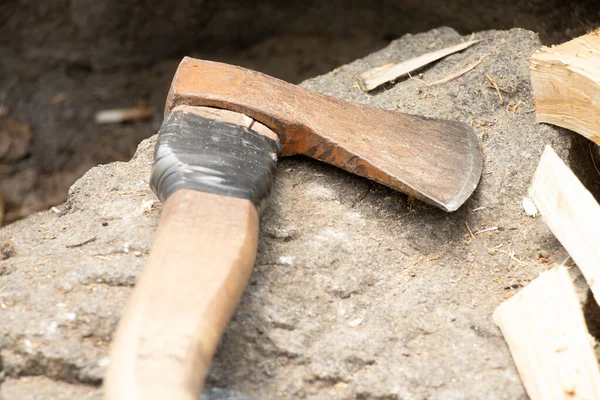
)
(357, 293)
(42, 388)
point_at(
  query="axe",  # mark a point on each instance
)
(215, 160)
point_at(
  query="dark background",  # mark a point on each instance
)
(61, 61)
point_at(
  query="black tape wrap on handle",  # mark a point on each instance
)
(202, 154)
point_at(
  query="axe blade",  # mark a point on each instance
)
(436, 161)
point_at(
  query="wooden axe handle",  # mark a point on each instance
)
(196, 272)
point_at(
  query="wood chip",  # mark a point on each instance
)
(571, 213)
(148, 205)
(59, 98)
(529, 207)
(120, 115)
(377, 76)
(549, 341)
(355, 322)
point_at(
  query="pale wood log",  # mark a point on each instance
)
(571, 213)
(545, 330)
(566, 85)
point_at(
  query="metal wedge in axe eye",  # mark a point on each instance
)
(215, 159)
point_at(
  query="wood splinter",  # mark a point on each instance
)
(566, 85)
(458, 73)
(377, 76)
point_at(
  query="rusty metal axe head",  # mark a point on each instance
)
(436, 161)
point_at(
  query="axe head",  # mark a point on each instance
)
(436, 161)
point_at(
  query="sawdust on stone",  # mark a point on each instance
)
(356, 292)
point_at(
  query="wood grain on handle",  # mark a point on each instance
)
(196, 272)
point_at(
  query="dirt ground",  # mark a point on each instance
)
(357, 293)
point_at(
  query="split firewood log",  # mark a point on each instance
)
(566, 85)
